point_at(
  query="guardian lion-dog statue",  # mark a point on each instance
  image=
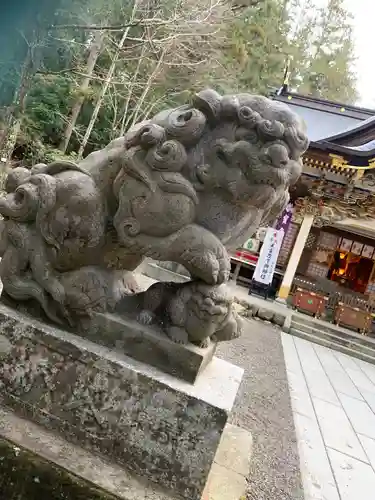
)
(185, 186)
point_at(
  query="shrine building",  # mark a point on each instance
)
(327, 257)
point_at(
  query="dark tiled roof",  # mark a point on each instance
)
(324, 118)
(332, 126)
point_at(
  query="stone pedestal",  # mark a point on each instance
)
(153, 424)
(149, 344)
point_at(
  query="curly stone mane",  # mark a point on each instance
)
(180, 187)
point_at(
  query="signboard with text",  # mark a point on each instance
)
(269, 253)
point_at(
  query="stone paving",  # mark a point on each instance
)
(263, 407)
(333, 402)
(333, 405)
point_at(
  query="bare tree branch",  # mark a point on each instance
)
(122, 27)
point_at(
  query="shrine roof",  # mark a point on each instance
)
(358, 130)
(356, 155)
(335, 128)
(325, 119)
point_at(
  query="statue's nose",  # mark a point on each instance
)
(278, 155)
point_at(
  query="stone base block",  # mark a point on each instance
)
(39, 464)
(150, 345)
(24, 475)
(153, 424)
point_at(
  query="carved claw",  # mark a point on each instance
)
(178, 335)
(204, 343)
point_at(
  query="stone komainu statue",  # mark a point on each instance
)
(183, 187)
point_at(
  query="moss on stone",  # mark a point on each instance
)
(26, 476)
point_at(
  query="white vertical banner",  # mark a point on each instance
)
(269, 253)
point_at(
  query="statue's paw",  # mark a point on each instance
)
(178, 335)
(213, 269)
(145, 317)
(203, 344)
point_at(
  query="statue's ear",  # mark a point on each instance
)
(209, 102)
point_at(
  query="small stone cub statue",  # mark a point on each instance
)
(191, 312)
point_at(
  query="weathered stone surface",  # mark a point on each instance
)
(225, 484)
(5, 346)
(254, 309)
(240, 309)
(43, 468)
(249, 312)
(279, 319)
(234, 451)
(24, 476)
(186, 312)
(149, 345)
(265, 314)
(183, 187)
(152, 423)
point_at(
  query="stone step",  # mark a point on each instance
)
(37, 463)
(311, 326)
(41, 464)
(338, 344)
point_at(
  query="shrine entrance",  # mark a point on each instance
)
(351, 271)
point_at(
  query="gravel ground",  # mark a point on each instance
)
(263, 407)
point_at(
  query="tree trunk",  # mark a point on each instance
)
(105, 86)
(102, 94)
(76, 109)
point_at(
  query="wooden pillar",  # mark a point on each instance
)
(295, 257)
